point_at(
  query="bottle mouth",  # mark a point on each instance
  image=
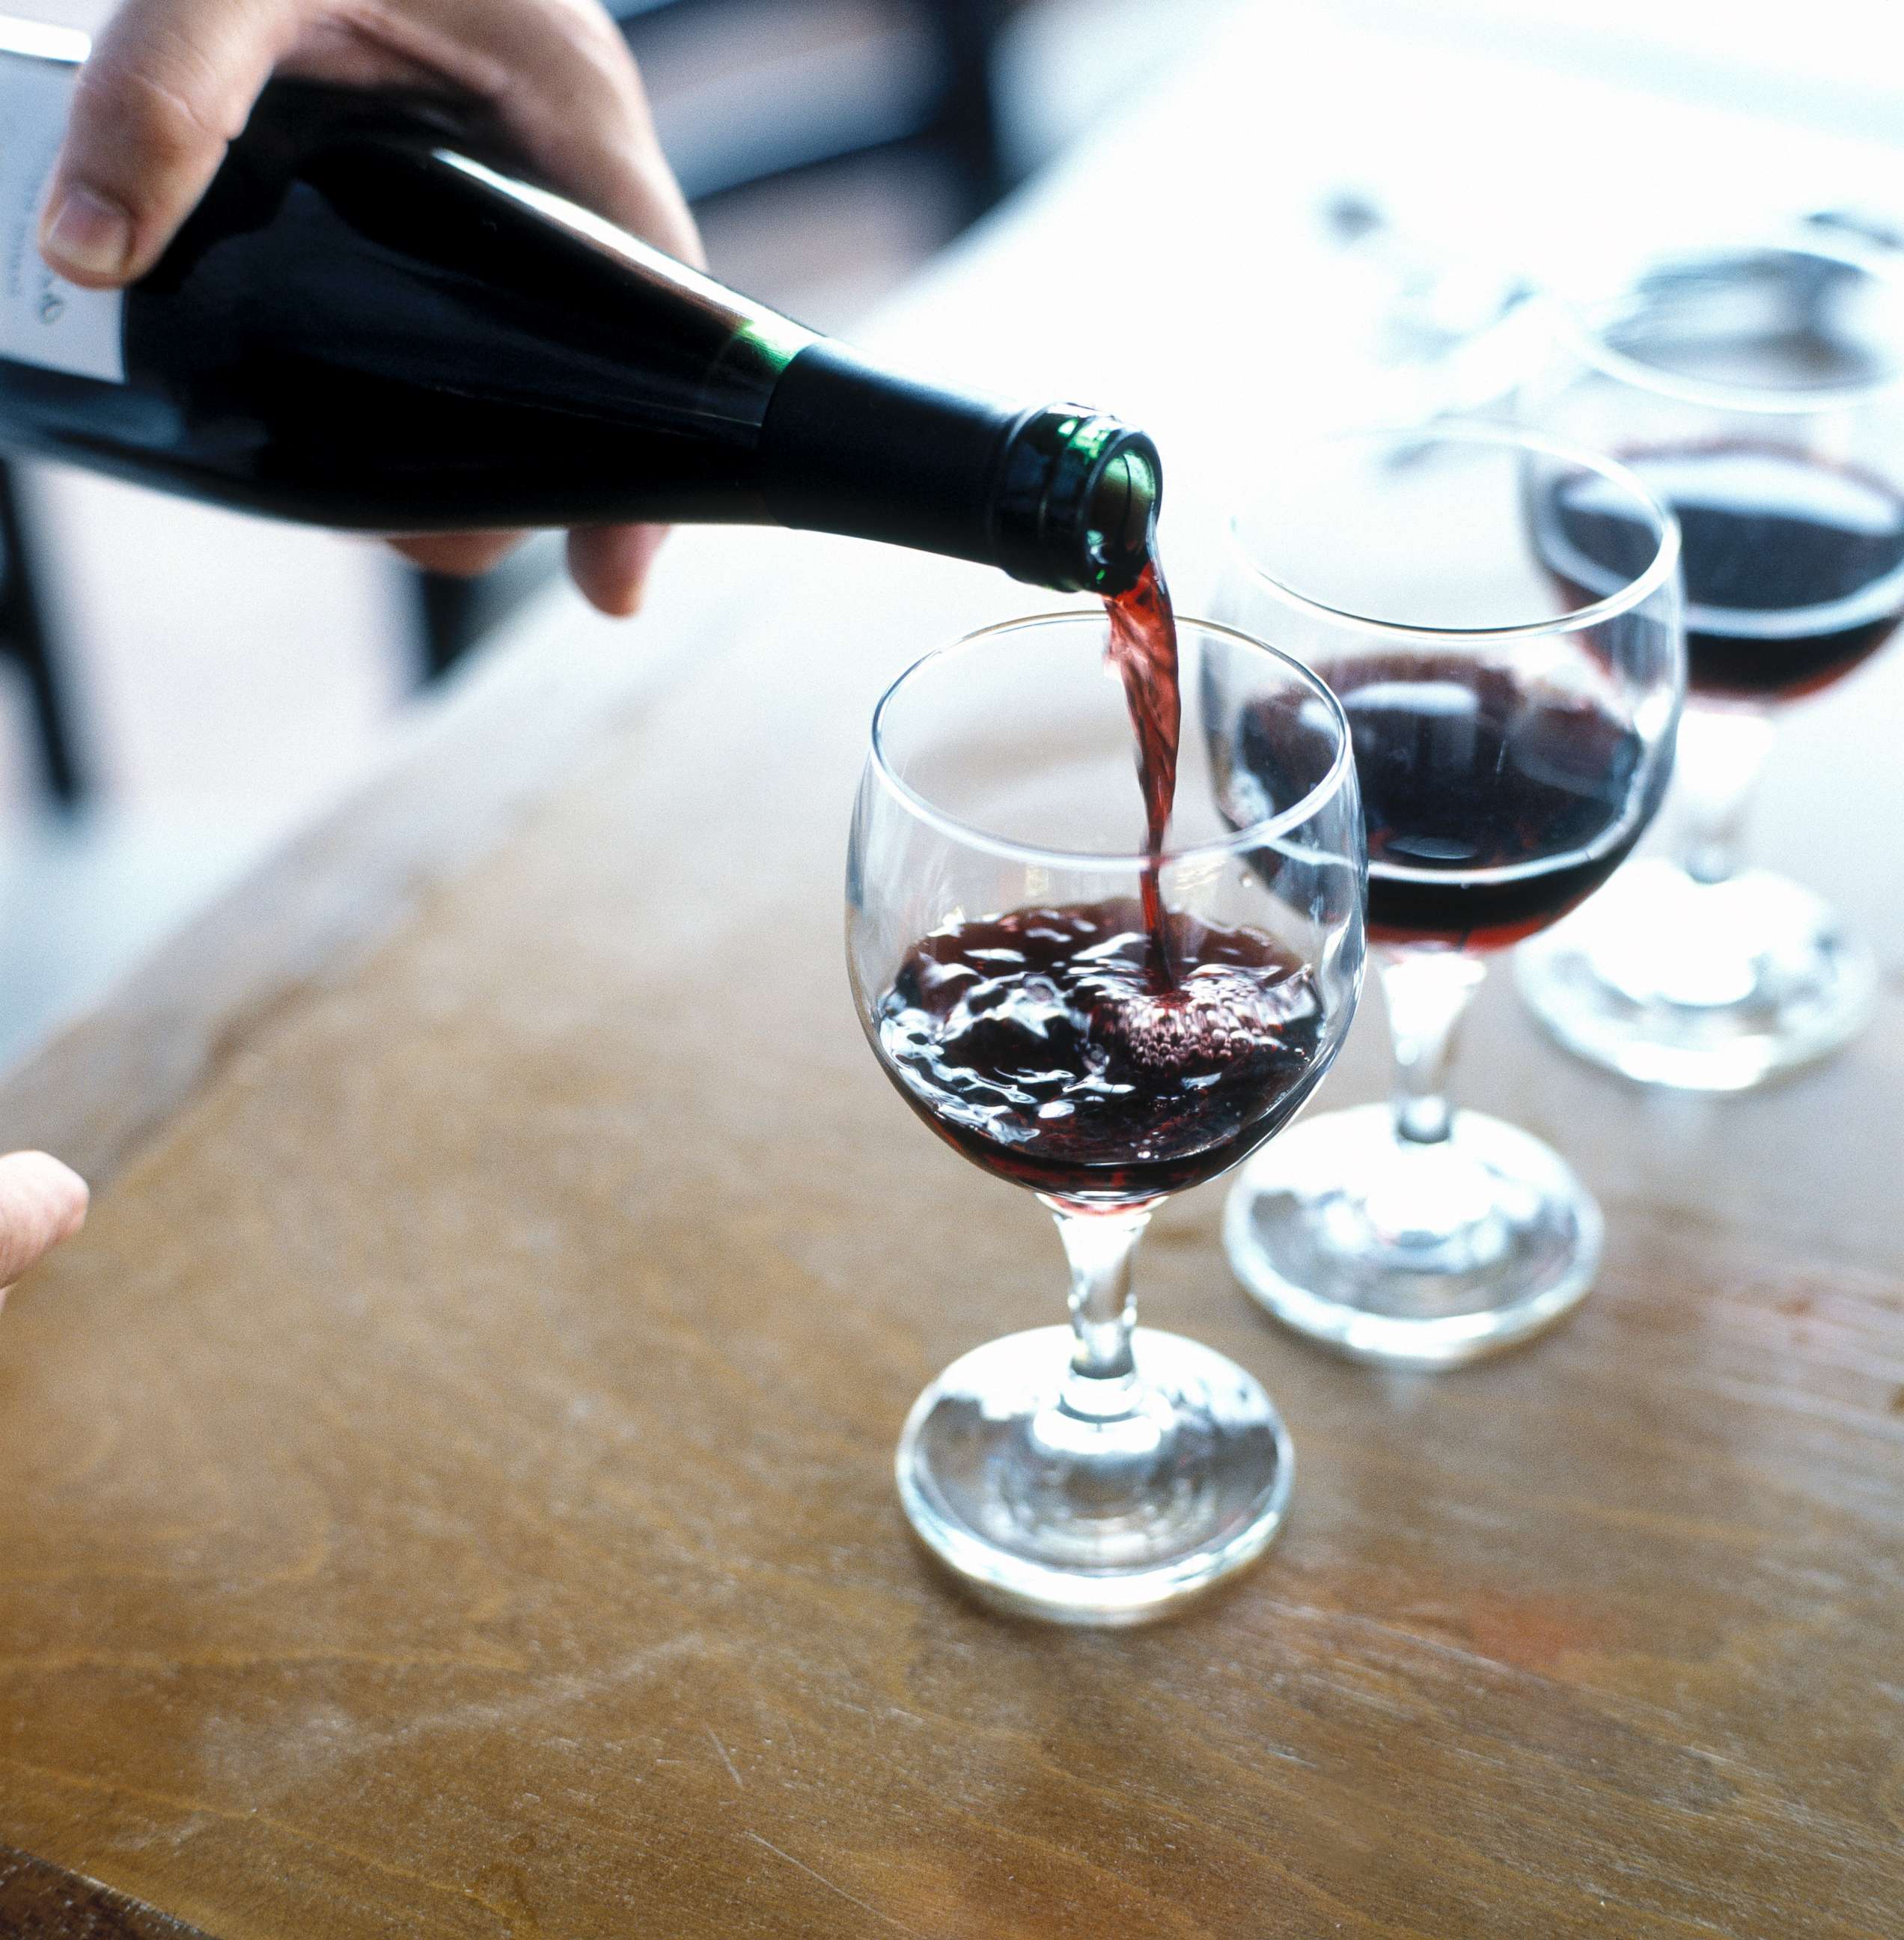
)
(1120, 522)
(1077, 504)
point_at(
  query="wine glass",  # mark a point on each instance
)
(1758, 390)
(1513, 739)
(1013, 992)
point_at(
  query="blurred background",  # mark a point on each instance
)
(180, 688)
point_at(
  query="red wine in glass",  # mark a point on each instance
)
(1040, 1044)
(1493, 805)
(1794, 566)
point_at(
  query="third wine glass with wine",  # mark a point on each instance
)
(1758, 390)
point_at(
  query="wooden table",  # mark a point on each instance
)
(447, 1490)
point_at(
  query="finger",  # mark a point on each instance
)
(42, 1203)
(464, 554)
(168, 84)
(338, 51)
(611, 563)
(560, 76)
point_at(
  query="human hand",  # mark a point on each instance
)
(171, 82)
(42, 1203)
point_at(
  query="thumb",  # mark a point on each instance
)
(42, 1203)
(168, 84)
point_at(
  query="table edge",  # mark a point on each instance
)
(40, 1901)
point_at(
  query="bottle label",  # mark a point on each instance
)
(44, 319)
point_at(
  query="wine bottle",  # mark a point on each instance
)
(375, 320)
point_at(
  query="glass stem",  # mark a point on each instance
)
(1100, 1246)
(1427, 993)
(1721, 754)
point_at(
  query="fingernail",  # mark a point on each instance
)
(77, 1208)
(89, 236)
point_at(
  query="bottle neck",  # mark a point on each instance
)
(1058, 496)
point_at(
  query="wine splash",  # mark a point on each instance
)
(1038, 1043)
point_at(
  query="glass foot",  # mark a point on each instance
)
(1415, 1255)
(1705, 986)
(1094, 1501)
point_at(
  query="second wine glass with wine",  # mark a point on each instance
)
(1513, 739)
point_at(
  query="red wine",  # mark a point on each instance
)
(1794, 567)
(373, 320)
(1143, 650)
(1040, 1044)
(1492, 807)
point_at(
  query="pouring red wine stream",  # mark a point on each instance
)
(1143, 649)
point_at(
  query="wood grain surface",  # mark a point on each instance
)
(447, 1493)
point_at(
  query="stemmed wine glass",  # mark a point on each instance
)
(1012, 989)
(1514, 737)
(1759, 389)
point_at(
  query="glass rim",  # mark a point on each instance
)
(1636, 593)
(1581, 320)
(1254, 835)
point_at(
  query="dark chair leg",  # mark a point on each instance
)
(449, 608)
(23, 636)
(967, 32)
(456, 614)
